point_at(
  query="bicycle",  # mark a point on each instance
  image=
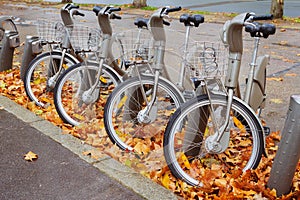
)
(80, 91)
(139, 107)
(43, 71)
(218, 130)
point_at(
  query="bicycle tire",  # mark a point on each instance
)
(121, 112)
(69, 104)
(38, 72)
(190, 127)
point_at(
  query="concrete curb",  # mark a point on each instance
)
(125, 175)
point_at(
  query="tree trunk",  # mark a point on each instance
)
(139, 3)
(66, 1)
(277, 8)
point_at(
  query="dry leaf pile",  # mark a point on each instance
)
(217, 184)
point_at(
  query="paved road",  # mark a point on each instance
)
(58, 173)
(291, 7)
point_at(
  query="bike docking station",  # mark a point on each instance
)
(288, 153)
(32, 48)
(9, 40)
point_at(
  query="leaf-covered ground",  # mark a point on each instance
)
(217, 185)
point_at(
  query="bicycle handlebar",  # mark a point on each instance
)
(114, 9)
(97, 9)
(168, 10)
(110, 10)
(76, 12)
(115, 16)
(262, 17)
(166, 23)
(70, 7)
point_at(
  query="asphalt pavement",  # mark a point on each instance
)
(61, 171)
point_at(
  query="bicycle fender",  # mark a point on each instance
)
(261, 126)
(254, 114)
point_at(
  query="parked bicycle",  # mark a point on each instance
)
(218, 130)
(139, 108)
(81, 91)
(43, 71)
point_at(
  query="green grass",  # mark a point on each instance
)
(151, 8)
(201, 12)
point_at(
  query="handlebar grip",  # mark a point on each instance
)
(166, 23)
(78, 13)
(173, 9)
(115, 16)
(263, 17)
(115, 9)
(97, 9)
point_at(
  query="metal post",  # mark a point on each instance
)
(10, 41)
(288, 153)
(31, 50)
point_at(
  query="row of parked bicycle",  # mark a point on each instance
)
(204, 119)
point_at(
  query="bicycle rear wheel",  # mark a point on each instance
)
(40, 70)
(123, 113)
(187, 141)
(75, 101)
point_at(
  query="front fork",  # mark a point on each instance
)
(149, 113)
(91, 94)
(55, 70)
(219, 141)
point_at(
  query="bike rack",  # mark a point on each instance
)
(10, 40)
(32, 48)
(288, 154)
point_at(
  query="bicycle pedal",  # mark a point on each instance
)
(267, 130)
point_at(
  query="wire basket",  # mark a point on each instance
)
(84, 39)
(51, 32)
(137, 44)
(207, 60)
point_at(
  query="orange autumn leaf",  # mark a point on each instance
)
(291, 74)
(275, 79)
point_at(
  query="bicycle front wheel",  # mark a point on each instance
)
(124, 113)
(76, 99)
(39, 81)
(188, 147)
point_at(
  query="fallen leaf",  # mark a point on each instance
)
(94, 153)
(30, 156)
(283, 42)
(292, 74)
(277, 101)
(275, 79)
(166, 180)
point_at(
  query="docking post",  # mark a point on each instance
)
(288, 154)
